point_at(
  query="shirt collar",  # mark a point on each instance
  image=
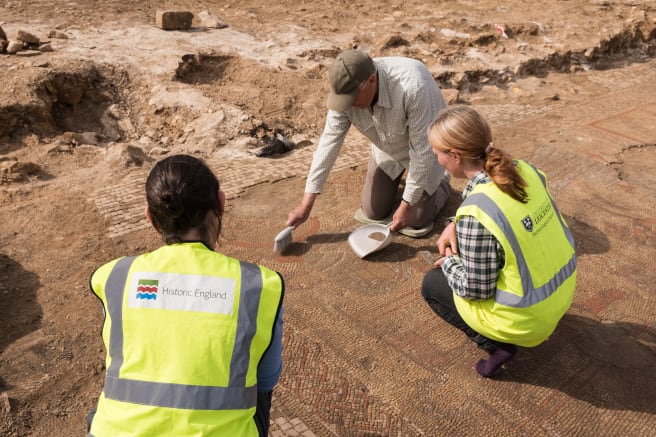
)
(479, 178)
(383, 93)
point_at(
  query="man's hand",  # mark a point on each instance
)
(402, 216)
(447, 244)
(301, 213)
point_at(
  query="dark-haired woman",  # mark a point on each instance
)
(193, 337)
(508, 266)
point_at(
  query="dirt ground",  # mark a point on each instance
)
(117, 93)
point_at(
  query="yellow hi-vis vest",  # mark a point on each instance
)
(185, 329)
(535, 287)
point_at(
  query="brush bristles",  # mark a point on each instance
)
(283, 240)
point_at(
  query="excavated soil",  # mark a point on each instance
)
(81, 126)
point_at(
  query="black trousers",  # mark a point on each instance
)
(439, 296)
(263, 412)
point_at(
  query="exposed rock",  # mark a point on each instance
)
(60, 148)
(14, 47)
(207, 19)
(5, 405)
(515, 29)
(27, 37)
(637, 16)
(114, 111)
(7, 161)
(450, 95)
(291, 63)
(13, 170)
(136, 156)
(204, 133)
(158, 151)
(27, 53)
(47, 47)
(3, 35)
(315, 71)
(57, 34)
(78, 138)
(245, 143)
(128, 154)
(484, 39)
(393, 41)
(174, 20)
(450, 33)
(88, 149)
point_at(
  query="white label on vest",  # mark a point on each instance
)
(173, 291)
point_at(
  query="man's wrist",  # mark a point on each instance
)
(308, 199)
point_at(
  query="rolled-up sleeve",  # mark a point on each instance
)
(330, 143)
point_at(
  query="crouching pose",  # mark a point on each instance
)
(508, 268)
(193, 337)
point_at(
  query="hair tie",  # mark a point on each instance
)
(488, 149)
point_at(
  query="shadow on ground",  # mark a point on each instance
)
(18, 290)
(589, 240)
(611, 365)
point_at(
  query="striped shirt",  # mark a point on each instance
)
(397, 126)
(472, 274)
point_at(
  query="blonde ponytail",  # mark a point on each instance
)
(464, 129)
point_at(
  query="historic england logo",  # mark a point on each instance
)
(147, 289)
(528, 223)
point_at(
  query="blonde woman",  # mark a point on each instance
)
(508, 268)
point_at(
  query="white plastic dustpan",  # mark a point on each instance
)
(370, 238)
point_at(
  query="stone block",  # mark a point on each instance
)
(14, 47)
(27, 37)
(47, 47)
(174, 20)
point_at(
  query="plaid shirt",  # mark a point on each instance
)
(472, 273)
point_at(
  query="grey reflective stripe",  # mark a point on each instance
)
(193, 397)
(190, 397)
(570, 238)
(532, 295)
(114, 290)
(249, 302)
